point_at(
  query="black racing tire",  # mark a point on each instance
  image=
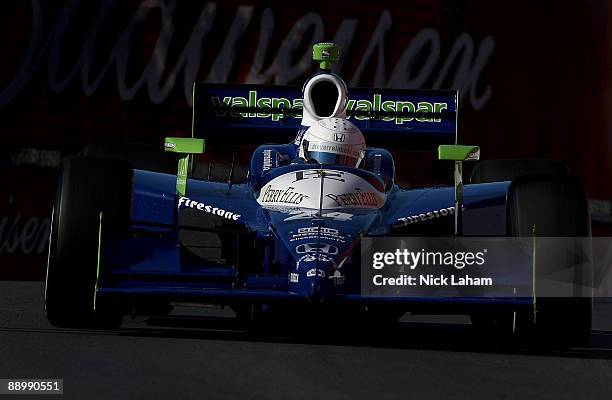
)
(143, 156)
(558, 207)
(86, 187)
(508, 169)
(542, 193)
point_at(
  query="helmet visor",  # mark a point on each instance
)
(331, 158)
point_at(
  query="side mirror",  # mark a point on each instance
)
(184, 147)
(458, 154)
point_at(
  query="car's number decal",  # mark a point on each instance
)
(307, 214)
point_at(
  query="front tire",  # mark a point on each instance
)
(558, 207)
(543, 194)
(86, 187)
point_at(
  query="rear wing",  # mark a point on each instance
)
(255, 114)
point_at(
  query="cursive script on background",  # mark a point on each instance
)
(23, 235)
(462, 66)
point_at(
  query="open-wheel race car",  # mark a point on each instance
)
(290, 233)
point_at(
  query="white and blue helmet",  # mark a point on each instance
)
(334, 141)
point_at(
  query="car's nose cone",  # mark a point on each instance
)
(312, 275)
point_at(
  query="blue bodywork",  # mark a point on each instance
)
(219, 243)
(152, 260)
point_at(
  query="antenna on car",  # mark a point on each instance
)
(458, 154)
(231, 173)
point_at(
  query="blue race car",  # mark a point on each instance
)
(290, 233)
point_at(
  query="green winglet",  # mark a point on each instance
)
(458, 153)
(184, 147)
(325, 54)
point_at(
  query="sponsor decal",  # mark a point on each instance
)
(308, 258)
(188, 203)
(294, 277)
(319, 229)
(316, 272)
(325, 53)
(339, 137)
(170, 145)
(314, 232)
(336, 277)
(286, 196)
(322, 189)
(283, 209)
(342, 149)
(275, 108)
(425, 216)
(397, 111)
(356, 198)
(300, 135)
(267, 107)
(316, 247)
(267, 160)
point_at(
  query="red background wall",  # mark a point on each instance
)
(547, 73)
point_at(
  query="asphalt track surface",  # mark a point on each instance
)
(207, 357)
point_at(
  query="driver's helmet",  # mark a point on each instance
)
(333, 141)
